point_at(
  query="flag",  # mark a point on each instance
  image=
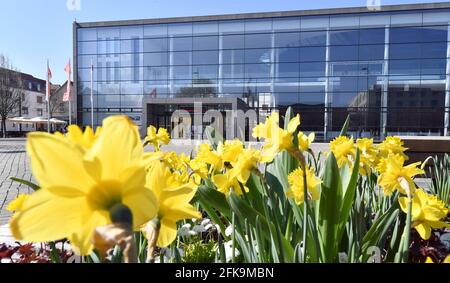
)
(68, 70)
(49, 77)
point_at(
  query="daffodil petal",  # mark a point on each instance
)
(117, 147)
(81, 241)
(424, 230)
(57, 162)
(167, 232)
(41, 218)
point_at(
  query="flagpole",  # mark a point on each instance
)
(48, 99)
(92, 97)
(70, 113)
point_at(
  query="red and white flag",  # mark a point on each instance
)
(67, 94)
(49, 77)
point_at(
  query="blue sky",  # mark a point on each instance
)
(33, 30)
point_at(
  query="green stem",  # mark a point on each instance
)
(407, 231)
(233, 237)
(305, 212)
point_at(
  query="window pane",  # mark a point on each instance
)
(87, 34)
(371, 52)
(344, 84)
(434, 50)
(131, 100)
(130, 60)
(108, 47)
(433, 66)
(371, 36)
(343, 53)
(182, 72)
(308, 54)
(206, 28)
(155, 30)
(233, 71)
(257, 56)
(205, 57)
(257, 71)
(435, 33)
(182, 58)
(108, 100)
(87, 47)
(405, 34)
(233, 41)
(316, 69)
(131, 87)
(289, 39)
(405, 51)
(233, 56)
(344, 37)
(287, 70)
(156, 59)
(287, 55)
(404, 67)
(108, 33)
(131, 32)
(313, 38)
(131, 74)
(206, 43)
(257, 40)
(155, 73)
(155, 45)
(205, 72)
(182, 43)
(131, 46)
(286, 98)
(180, 29)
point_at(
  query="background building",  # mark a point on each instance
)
(388, 69)
(32, 105)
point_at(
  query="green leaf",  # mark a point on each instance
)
(379, 229)
(329, 206)
(26, 183)
(214, 198)
(213, 136)
(344, 129)
(245, 211)
(349, 197)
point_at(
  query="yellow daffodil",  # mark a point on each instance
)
(276, 139)
(367, 157)
(199, 170)
(296, 186)
(17, 203)
(265, 130)
(427, 212)
(173, 199)
(392, 145)
(344, 150)
(230, 150)
(79, 186)
(157, 138)
(85, 139)
(396, 176)
(429, 260)
(447, 259)
(227, 182)
(305, 141)
(213, 157)
(246, 162)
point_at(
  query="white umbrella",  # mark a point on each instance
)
(56, 121)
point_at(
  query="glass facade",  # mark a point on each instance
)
(388, 70)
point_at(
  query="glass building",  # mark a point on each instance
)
(388, 69)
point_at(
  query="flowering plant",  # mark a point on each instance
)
(281, 202)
